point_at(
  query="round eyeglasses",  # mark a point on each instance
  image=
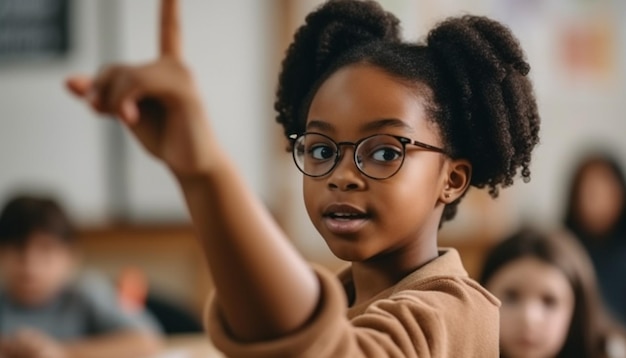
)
(379, 156)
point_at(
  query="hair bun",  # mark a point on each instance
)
(484, 67)
(328, 32)
(484, 44)
(340, 25)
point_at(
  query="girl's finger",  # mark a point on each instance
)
(170, 37)
(79, 85)
(106, 88)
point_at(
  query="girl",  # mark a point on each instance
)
(596, 214)
(550, 305)
(389, 136)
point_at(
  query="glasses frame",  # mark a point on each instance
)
(404, 141)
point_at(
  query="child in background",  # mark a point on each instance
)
(596, 214)
(389, 136)
(44, 310)
(550, 305)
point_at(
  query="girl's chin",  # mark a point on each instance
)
(348, 251)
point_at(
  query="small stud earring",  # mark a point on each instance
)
(446, 195)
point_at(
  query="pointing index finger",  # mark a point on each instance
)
(170, 29)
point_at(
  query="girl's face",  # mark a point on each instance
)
(537, 308)
(362, 218)
(600, 200)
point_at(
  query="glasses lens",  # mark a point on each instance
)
(380, 156)
(315, 154)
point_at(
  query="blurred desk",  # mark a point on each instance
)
(189, 346)
(169, 255)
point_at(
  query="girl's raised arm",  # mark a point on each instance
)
(264, 288)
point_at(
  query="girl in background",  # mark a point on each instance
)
(596, 214)
(550, 305)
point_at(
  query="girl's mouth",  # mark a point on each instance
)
(344, 219)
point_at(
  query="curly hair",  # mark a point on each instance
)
(473, 68)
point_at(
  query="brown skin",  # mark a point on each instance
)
(264, 287)
(403, 211)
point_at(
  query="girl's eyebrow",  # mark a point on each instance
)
(386, 123)
(319, 125)
(368, 127)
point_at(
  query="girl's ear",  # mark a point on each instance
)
(457, 180)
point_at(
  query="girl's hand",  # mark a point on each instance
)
(158, 101)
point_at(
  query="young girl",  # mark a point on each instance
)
(596, 214)
(389, 135)
(550, 305)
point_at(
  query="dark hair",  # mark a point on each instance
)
(590, 327)
(572, 220)
(25, 215)
(471, 73)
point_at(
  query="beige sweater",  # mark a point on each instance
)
(437, 311)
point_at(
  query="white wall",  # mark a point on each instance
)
(48, 140)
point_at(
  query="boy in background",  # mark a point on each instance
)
(45, 310)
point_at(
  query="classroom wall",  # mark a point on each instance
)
(47, 140)
(52, 143)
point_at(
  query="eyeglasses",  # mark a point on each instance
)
(379, 156)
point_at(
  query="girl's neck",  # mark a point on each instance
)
(374, 276)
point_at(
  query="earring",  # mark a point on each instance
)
(446, 195)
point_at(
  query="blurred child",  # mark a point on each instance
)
(596, 214)
(550, 306)
(45, 311)
(388, 136)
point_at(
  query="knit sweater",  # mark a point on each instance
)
(436, 311)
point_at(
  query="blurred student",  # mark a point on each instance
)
(596, 214)
(45, 310)
(550, 306)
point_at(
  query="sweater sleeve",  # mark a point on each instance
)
(405, 325)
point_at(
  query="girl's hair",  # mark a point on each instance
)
(24, 215)
(590, 327)
(572, 220)
(470, 72)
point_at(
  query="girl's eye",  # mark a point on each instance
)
(386, 154)
(321, 152)
(549, 301)
(510, 297)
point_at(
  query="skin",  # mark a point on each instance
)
(33, 275)
(392, 240)
(264, 288)
(601, 199)
(537, 308)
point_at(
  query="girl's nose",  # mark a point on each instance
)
(346, 176)
(532, 314)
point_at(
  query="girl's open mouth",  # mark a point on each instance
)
(344, 219)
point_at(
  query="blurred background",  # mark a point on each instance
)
(128, 208)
